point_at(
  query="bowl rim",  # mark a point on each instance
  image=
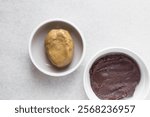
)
(102, 52)
(51, 21)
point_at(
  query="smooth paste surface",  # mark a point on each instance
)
(114, 76)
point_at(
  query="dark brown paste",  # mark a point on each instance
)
(114, 76)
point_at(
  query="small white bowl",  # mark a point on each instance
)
(142, 88)
(37, 50)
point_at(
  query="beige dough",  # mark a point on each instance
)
(59, 47)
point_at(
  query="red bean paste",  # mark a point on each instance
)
(114, 76)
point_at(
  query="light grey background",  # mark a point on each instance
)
(104, 23)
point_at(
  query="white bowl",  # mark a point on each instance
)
(37, 50)
(142, 88)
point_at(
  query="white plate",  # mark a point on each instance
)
(142, 88)
(37, 50)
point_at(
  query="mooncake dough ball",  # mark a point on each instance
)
(59, 47)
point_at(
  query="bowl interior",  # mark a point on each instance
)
(37, 49)
(142, 88)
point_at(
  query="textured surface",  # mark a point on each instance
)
(104, 23)
(59, 47)
(114, 76)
